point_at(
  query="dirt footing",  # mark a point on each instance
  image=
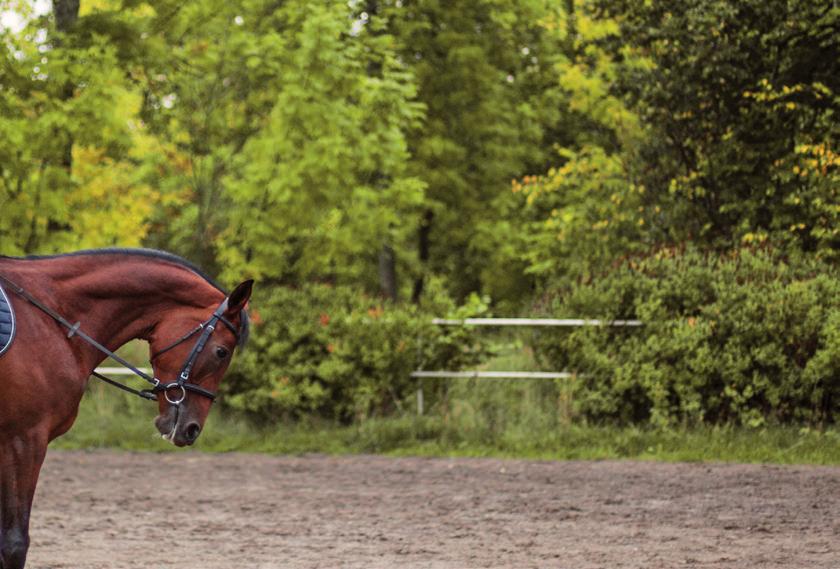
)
(112, 510)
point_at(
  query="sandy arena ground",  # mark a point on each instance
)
(192, 511)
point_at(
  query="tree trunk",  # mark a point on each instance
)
(423, 243)
(387, 256)
(388, 272)
(66, 13)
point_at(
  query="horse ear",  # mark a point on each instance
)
(239, 297)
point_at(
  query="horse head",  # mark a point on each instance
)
(191, 348)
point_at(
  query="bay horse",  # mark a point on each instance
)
(113, 296)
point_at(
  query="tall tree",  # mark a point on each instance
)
(484, 72)
(589, 207)
(66, 137)
(711, 121)
(323, 184)
(210, 74)
(743, 98)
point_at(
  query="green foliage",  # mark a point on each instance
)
(71, 150)
(587, 210)
(296, 141)
(112, 419)
(710, 122)
(330, 351)
(501, 412)
(748, 338)
(484, 72)
(582, 215)
(323, 185)
(211, 72)
(742, 102)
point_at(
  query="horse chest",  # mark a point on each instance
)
(7, 322)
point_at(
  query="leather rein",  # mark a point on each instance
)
(181, 385)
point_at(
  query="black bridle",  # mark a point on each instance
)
(206, 328)
(182, 384)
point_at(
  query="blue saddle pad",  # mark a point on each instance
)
(7, 322)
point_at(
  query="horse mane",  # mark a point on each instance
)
(153, 254)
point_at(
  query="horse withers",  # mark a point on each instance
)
(71, 311)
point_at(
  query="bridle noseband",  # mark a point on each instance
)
(182, 383)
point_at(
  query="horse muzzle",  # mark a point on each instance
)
(176, 428)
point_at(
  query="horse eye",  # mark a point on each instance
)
(221, 353)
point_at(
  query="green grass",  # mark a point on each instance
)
(491, 418)
(109, 419)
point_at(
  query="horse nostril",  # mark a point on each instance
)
(192, 432)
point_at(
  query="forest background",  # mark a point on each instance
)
(376, 163)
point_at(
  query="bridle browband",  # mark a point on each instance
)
(182, 383)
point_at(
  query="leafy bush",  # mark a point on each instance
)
(338, 354)
(749, 338)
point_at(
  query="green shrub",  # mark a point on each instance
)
(748, 338)
(332, 352)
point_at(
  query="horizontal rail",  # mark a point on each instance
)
(533, 322)
(495, 374)
(121, 370)
(484, 374)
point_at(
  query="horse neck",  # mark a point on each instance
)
(119, 301)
